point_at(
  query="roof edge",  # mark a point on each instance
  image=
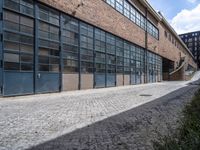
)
(175, 33)
(161, 18)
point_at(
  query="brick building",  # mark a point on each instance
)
(63, 45)
(192, 40)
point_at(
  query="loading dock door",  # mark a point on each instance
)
(47, 82)
(47, 54)
(47, 76)
(138, 76)
(133, 79)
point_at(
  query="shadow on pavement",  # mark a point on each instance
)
(133, 129)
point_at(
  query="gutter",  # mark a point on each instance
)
(161, 18)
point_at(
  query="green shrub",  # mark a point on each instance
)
(188, 135)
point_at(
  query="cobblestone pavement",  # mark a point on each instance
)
(92, 119)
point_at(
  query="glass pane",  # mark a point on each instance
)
(11, 17)
(11, 37)
(11, 46)
(26, 48)
(12, 4)
(26, 58)
(43, 60)
(54, 68)
(9, 57)
(43, 67)
(26, 67)
(11, 66)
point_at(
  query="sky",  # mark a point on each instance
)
(183, 15)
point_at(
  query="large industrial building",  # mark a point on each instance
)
(63, 45)
(192, 40)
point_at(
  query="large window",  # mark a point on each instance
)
(126, 58)
(110, 44)
(139, 63)
(125, 8)
(152, 30)
(133, 14)
(110, 49)
(120, 55)
(132, 59)
(18, 42)
(100, 55)
(154, 66)
(87, 48)
(49, 49)
(70, 35)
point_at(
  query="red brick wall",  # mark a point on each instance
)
(100, 14)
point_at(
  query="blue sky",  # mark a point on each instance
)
(175, 10)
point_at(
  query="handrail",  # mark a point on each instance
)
(183, 64)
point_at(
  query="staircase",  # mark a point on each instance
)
(179, 73)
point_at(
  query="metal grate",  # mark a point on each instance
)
(145, 95)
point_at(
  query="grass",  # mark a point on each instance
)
(188, 135)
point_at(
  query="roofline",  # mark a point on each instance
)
(161, 18)
(151, 9)
(174, 32)
(189, 32)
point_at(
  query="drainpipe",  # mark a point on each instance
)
(146, 48)
(1, 48)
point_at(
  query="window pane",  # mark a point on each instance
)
(14, 5)
(11, 66)
(26, 48)
(9, 57)
(11, 17)
(43, 67)
(26, 67)
(11, 46)
(26, 58)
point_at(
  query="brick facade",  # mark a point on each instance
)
(100, 14)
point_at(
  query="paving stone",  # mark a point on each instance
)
(107, 119)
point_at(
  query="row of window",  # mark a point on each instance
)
(191, 39)
(172, 39)
(99, 51)
(18, 36)
(49, 41)
(22, 6)
(154, 67)
(83, 45)
(191, 34)
(134, 15)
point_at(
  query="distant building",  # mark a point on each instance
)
(192, 40)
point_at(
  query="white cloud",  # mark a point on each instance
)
(192, 1)
(187, 20)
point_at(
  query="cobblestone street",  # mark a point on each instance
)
(93, 119)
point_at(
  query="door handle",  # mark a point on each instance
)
(38, 75)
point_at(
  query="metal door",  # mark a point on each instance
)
(47, 51)
(138, 76)
(133, 78)
(100, 70)
(1, 49)
(47, 73)
(18, 50)
(30, 60)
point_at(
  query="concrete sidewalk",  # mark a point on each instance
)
(31, 120)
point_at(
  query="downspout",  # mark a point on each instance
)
(146, 48)
(1, 49)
